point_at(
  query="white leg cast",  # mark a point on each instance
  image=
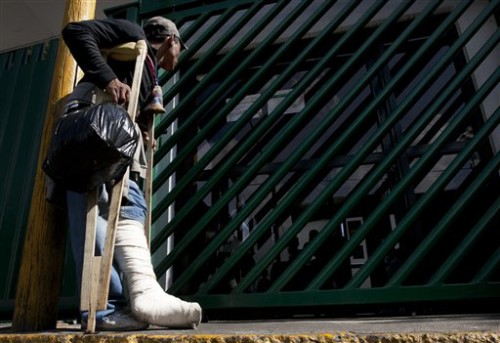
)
(149, 302)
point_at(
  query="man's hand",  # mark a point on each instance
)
(119, 91)
(145, 137)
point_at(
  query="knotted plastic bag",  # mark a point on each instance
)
(91, 145)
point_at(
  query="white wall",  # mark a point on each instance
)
(24, 22)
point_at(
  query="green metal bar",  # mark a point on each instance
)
(427, 157)
(23, 129)
(10, 140)
(306, 81)
(282, 137)
(438, 185)
(484, 51)
(189, 177)
(219, 68)
(117, 11)
(170, 93)
(21, 72)
(299, 187)
(437, 232)
(186, 210)
(180, 10)
(7, 96)
(18, 153)
(292, 231)
(465, 246)
(132, 13)
(488, 269)
(348, 297)
(193, 48)
(376, 174)
(192, 145)
(262, 72)
(197, 24)
(207, 57)
(200, 136)
(367, 148)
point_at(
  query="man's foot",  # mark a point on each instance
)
(121, 320)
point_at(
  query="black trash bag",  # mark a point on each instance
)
(90, 146)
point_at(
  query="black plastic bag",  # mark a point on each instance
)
(90, 146)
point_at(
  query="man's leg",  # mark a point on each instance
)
(149, 301)
(113, 318)
(77, 216)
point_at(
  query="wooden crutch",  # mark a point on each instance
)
(148, 182)
(97, 269)
(155, 107)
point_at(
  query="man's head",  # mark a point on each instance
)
(165, 39)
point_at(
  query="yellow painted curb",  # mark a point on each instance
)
(469, 337)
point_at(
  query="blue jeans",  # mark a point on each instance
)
(133, 208)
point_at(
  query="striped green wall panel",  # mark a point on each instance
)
(25, 76)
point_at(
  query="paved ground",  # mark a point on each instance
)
(451, 328)
(459, 323)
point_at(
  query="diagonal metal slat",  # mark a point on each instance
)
(187, 179)
(289, 99)
(440, 183)
(466, 245)
(292, 231)
(221, 65)
(367, 148)
(271, 149)
(207, 57)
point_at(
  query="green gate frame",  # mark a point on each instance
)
(199, 22)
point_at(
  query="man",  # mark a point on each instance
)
(109, 80)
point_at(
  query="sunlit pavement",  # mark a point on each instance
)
(450, 328)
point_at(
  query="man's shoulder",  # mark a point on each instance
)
(106, 23)
(118, 22)
(116, 29)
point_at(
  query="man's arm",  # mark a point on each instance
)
(85, 40)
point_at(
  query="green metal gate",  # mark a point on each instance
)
(316, 156)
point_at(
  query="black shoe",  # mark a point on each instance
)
(121, 320)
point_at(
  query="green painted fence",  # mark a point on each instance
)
(326, 155)
(25, 78)
(316, 157)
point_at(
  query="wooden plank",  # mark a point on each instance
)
(116, 196)
(89, 250)
(148, 183)
(96, 262)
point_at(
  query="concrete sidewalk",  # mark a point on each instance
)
(451, 328)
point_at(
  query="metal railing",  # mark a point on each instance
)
(244, 197)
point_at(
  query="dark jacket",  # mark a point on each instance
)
(85, 39)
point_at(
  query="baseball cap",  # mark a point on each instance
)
(157, 28)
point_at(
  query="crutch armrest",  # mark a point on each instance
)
(126, 51)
